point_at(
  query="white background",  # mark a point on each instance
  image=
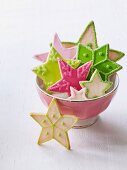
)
(26, 28)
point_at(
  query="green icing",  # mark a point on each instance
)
(100, 60)
(91, 27)
(103, 76)
(101, 54)
(84, 53)
(69, 43)
(49, 71)
(90, 73)
(74, 63)
(107, 68)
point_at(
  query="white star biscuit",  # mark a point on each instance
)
(96, 87)
(77, 95)
(54, 125)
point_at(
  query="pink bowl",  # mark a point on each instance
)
(87, 110)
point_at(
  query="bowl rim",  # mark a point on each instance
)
(65, 100)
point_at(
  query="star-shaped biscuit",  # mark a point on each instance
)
(49, 71)
(88, 38)
(77, 95)
(70, 77)
(54, 125)
(42, 57)
(96, 87)
(100, 59)
(67, 51)
(115, 55)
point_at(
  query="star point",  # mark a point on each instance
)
(41, 57)
(88, 37)
(66, 53)
(100, 59)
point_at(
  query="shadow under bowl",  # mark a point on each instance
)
(87, 111)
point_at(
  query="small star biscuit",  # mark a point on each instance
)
(77, 95)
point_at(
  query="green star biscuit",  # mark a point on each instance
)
(49, 72)
(100, 60)
(86, 54)
(107, 68)
(88, 38)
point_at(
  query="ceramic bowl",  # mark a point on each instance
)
(87, 110)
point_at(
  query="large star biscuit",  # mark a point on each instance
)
(70, 77)
(54, 125)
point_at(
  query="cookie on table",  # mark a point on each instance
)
(54, 125)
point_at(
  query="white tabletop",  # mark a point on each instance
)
(26, 28)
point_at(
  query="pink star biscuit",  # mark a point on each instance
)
(77, 95)
(70, 77)
(66, 53)
(42, 57)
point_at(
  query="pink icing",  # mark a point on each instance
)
(66, 53)
(70, 77)
(41, 57)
